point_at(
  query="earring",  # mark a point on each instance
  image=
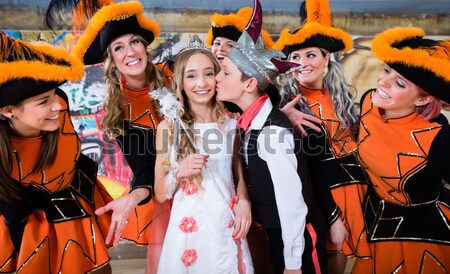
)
(12, 116)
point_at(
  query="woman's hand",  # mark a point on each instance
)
(121, 210)
(338, 234)
(191, 165)
(243, 215)
(299, 119)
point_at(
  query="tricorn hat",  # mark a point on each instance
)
(317, 31)
(424, 62)
(232, 25)
(29, 69)
(109, 23)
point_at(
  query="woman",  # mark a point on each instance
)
(48, 189)
(199, 172)
(325, 94)
(226, 29)
(406, 208)
(118, 35)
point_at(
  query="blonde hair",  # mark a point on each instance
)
(187, 116)
(112, 123)
(342, 96)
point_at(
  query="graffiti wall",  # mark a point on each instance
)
(86, 97)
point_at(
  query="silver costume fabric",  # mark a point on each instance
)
(254, 60)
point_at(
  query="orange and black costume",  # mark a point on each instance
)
(54, 228)
(51, 227)
(339, 180)
(140, 116)
(138, 147)
(333, 166)
(140, 122)
(407, 207)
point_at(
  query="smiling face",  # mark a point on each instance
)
(199, 82)
(129, 55)
(396, 95)
(313, 64)
(221, 47)
(34, 115)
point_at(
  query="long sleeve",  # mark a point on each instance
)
(317, 149)
(439, 151)
(276, 147)
(138, 147)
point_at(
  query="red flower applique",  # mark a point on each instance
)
(189, 257)
(189, 187)
(188, 225)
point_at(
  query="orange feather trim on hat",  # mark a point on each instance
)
(46, 65)
(308, 31)
(112, 13)
(434, 59)
(238, 21)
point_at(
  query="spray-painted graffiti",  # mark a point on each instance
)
(87, 95)
(86, 106)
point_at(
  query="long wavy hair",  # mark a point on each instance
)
(9, 190)
(342, 94)
(187, 116)
(112, 123)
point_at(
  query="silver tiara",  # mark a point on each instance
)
(195, 43)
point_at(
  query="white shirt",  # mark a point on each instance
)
(276, 147)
